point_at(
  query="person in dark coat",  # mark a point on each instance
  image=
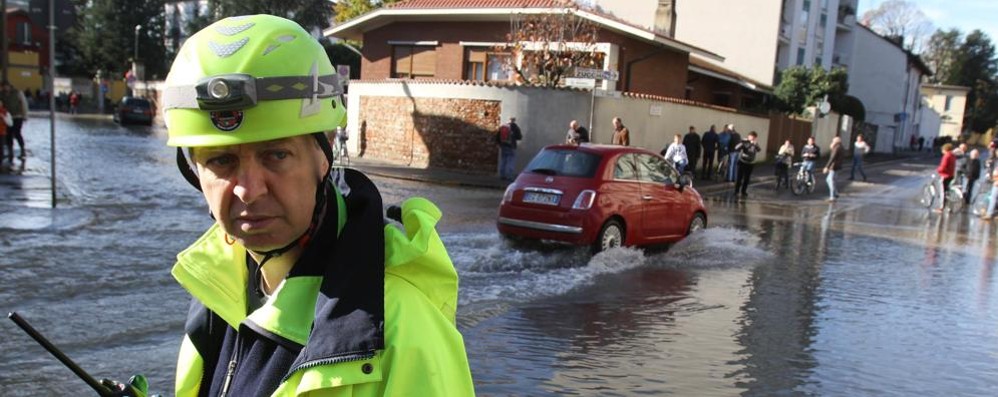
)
(736, 139)
(692, 143)
(709, 145)
(834, 164)
(972, 169)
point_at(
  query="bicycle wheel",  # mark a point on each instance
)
(954, 200)
(799, 185)
(928, 195)
(979, 205)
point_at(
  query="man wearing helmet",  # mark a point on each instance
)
(300, 287)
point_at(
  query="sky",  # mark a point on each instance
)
(965, 15)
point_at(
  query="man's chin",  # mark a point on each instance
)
(261, 243)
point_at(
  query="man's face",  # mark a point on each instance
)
(262, 194)
(752, 138)
(616, 123)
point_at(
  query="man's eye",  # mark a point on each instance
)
(279, 154)
(220, 161)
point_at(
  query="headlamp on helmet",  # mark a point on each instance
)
(226, 92)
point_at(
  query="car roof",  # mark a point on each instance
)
(600, 149)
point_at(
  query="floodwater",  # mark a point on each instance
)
(869, 296)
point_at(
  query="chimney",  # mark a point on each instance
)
(665, 18)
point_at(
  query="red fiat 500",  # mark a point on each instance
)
(602, 196)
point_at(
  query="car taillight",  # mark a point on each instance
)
(585, 200)
(508, 195)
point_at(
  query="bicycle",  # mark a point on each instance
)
(803, 180)
(721, 170)
(979, 204)
(954, 196)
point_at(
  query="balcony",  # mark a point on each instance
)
(784, 36)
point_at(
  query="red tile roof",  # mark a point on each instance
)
(429, 4)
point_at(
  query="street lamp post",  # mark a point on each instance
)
(138, 28)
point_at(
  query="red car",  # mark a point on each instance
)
(601, 196)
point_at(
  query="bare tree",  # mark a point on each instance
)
(545, 47)
(900, 19)
(940, 54)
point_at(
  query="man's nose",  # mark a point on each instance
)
(251, 182)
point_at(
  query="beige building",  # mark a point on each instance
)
(950, 102)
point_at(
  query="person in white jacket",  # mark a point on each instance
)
(675, 154)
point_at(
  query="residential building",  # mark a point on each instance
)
(462, 40)
(887, 79)
(27, 50)
(810, 32)
(950, 102)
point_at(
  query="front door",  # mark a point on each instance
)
(661, 199)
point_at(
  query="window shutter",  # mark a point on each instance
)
(403, 61)
(424, 61)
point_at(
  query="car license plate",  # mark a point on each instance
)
(541, 198)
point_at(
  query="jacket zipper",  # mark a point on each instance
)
(326, 361)
(230, 372)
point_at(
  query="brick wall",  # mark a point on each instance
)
(431, 132)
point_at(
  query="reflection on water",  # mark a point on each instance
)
(869, 296)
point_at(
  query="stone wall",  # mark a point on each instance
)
(431, 132)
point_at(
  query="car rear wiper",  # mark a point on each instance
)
(545, 171)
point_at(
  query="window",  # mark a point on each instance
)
(565, 163)
(412, 61)
(23, 33)
(817, 61)
(653, 169)
(949, 103)
(800, 56)
(625, 168)
(722, 98)
(483, 65)
(824, 20)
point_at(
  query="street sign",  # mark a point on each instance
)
(65, 14)
(580, 83)
(607, 93)
(596, 74)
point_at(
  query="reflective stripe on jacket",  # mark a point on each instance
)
(416, 350)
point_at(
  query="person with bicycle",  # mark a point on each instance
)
(946, 171)
(809, 154)
(784, 159)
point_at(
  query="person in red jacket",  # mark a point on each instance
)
(946, 171)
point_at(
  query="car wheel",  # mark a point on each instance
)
(696, 224)
(610, 236)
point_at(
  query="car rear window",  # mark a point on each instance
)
(139, 103)
(564, 162)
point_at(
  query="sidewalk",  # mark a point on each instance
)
(762, 174)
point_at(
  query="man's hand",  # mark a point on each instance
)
(137, 386)
(824, 171)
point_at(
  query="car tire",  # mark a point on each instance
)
(698, 223)
(611, 235)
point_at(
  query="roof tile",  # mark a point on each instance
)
(430, 4)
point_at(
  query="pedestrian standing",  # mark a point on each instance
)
(17, 106)
(692, 143)
(784, 158)
(74, 102)
(921, 143)
(723, 146)
(946, 171)
(3, 133)
(733, 154)
(577, 134)
(621, 135)
(506, 139)
(835, 154)
(709, 144)
(973, 173)
(675, 154)
(745, 152)
(859, 149)
(990, 213)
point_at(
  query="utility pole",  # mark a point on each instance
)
(3, 39)
(51, 89)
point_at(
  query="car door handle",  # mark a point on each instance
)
(646, 197)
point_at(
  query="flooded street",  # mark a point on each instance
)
(870, 296)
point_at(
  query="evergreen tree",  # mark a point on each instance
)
(940, 52)
(975, 66)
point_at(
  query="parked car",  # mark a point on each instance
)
(601, 196)
(134, 110)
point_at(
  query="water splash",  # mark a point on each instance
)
(714, 248)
